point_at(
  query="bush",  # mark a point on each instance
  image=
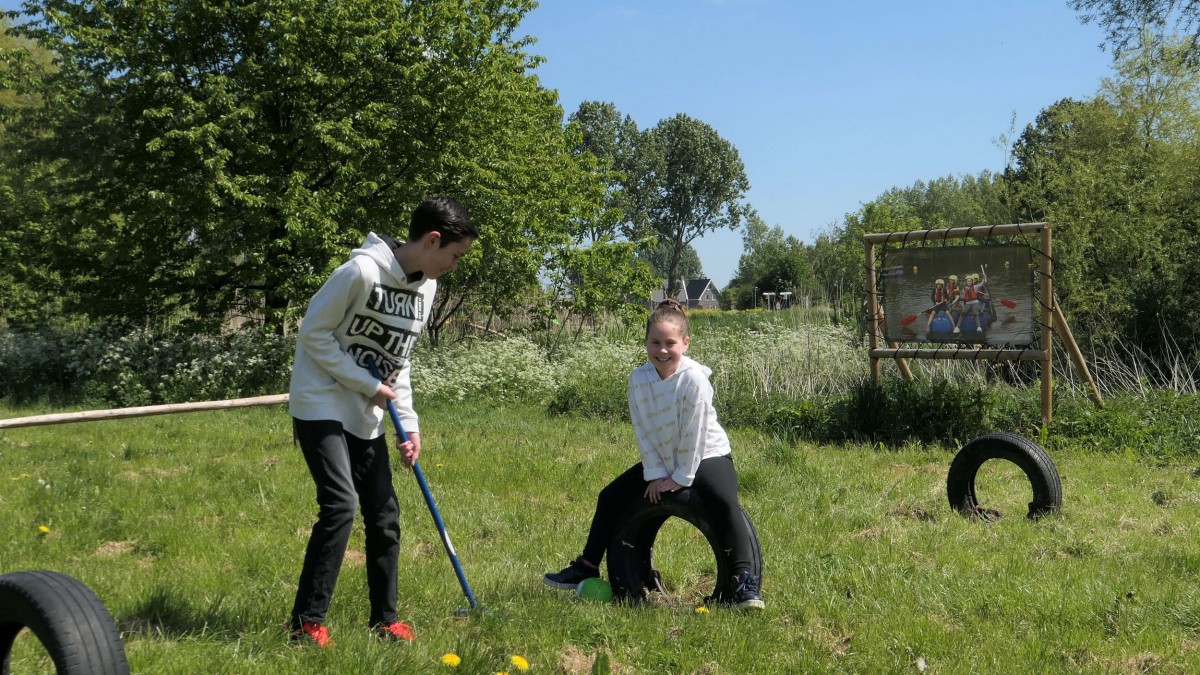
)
(111, 365)
(594, 380)
(503, 369)
(1157, 425)
(896, 411)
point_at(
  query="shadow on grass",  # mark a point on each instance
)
(169, 614)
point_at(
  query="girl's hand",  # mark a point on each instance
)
(657, 487)
(410, 450)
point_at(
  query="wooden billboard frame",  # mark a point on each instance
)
(1052, 319)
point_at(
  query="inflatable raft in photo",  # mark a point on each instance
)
(941, 328)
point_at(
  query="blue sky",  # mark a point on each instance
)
(829, 104)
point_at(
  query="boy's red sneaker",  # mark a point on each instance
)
(311, 631)
(397, 630)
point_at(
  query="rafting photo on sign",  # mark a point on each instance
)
(959, 294)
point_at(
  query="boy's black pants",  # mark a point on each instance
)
(716, 481)
(348, 471)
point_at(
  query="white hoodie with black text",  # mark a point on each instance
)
(367, 310)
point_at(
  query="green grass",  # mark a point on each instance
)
(191, 528)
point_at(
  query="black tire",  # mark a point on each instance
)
(1033, 460)
(66, 617)
(631, 570)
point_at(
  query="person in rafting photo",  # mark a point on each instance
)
(941, 302)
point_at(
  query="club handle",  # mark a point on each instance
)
(425, 492)
(373, 368)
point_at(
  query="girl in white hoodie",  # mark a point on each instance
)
(371, 309)
(682, 446)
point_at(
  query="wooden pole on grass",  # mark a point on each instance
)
(876, 324)
(1047, 327)
(873, 312)
(1060, 325)
(140, 411)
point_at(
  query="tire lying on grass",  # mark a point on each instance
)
(66, 617)
(630, 553)
(1033, 460)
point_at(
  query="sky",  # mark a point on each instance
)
(829, 104)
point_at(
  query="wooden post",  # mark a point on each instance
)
(902, 363)
(873, 311)
(1060, 325)
(140, 411)
(1047, 327)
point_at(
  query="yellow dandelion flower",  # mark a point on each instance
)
(25, 475)
(520, 663)
(43, 529)
(451, 659)
(501, 672)
(439, 465)
(702, 610)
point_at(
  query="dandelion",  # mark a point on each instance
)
(43, 529)
(702, 610)
(451, 659)
(520, 663)
(439, 465)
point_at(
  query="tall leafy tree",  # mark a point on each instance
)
(31, 289)
(1124, 21)
(687, 181)
(1117, 177)
(603, 133)
(658, 257)
(213, 154)
(772, 261)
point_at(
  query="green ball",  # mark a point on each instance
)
(594, 589)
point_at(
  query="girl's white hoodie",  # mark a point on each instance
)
(368, 309)
(674, 421)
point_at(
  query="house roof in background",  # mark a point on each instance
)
(695, 288)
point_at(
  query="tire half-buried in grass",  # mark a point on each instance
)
(630, 554)
(66, 617)
(1029, 456)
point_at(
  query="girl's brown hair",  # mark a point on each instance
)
(669, 311)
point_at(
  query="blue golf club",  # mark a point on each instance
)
(433, 511)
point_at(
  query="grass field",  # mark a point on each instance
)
(191, 528)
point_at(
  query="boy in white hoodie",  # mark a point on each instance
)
(371, 309)
(682, 446)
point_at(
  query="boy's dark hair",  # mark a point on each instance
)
(669, 311)
(444, 216)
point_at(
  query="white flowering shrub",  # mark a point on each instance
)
(145, 367)
(502, 369)
(105, 364)
(594, 378)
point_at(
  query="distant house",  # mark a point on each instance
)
(693, 294)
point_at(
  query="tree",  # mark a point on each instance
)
(31, 290)
(1116, 177)
(219, 155)
(1124, 21)
(687, 181)
(659, 260)
(602, 133)
(772, 261)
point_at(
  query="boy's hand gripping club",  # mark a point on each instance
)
(433, 511)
